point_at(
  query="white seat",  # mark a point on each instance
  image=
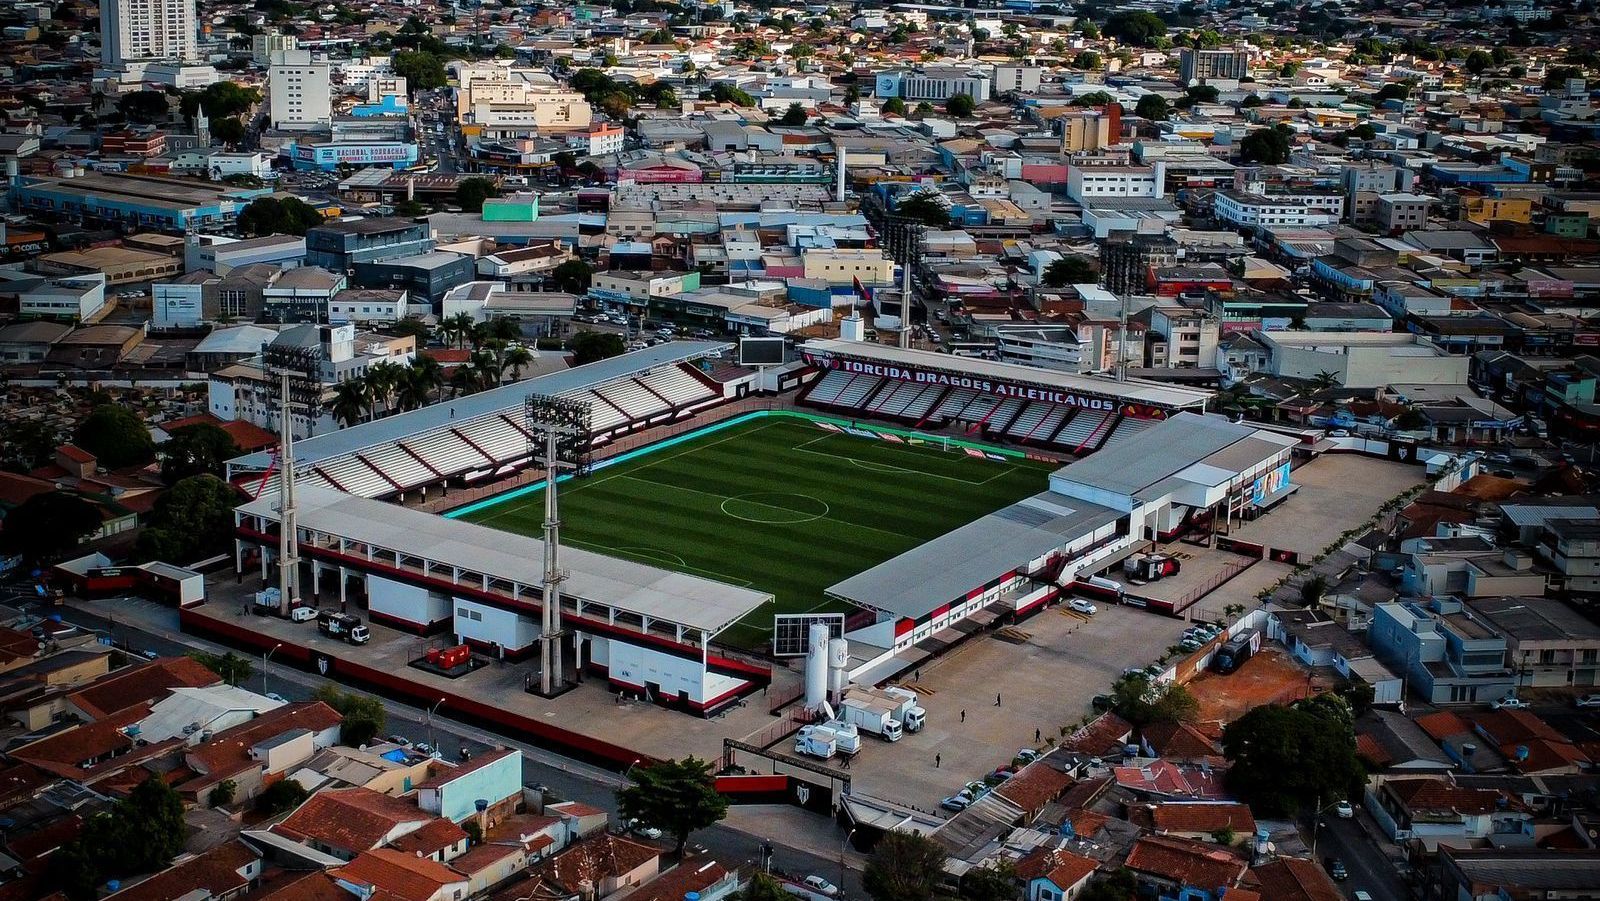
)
(398, 465)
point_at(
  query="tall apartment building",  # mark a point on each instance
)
(1090, 129)
(132, 30)
(298, 90)
(1364, 182)
(1204, 65)
(263, 46)
(1018, 79)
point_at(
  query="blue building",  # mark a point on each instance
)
(494, 778)
(387, 105)
(330, 155)
(134, 202)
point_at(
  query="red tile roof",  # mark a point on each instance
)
(215, 872)
(1440, 796)
(1106, 734)
(1442, 725)
(75, 453)
(596, 859)
(1202, 817)
(228, 752)
(1181, 741)
(1063, 868)
(678, 882)
(434, 837)
(1292, 879)
(1186, 862)
(140, 685)
(1035, 786)
(355, 819)
(401, 875)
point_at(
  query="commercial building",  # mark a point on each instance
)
(1016, 79)
(222, 255)
(1364, 359)
(1089, 183)
(1245, 209)
(298, 92)
(340, 244)
(135, 30)
(1087, 130)
(74, 298)
(326, 156)
(425, 276)
(141, 202)
(1227, 63)
(933, 84)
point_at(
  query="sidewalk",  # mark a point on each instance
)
(791, 827)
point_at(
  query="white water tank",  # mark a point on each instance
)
(817, 666)
(838, 666)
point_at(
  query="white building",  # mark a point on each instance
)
(1239, 208)
(298, 90)
(1089, 183)
(1364, 359)
(223, 164)
(263, 46)
(76, 297)
(132, 30)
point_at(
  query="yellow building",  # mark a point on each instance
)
(844, 266)
(1484, 210)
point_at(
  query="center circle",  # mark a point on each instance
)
(775, 508)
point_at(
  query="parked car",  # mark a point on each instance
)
(1079, 605)
(644, 830)
(821, 886)
(1587, 701)
(1361, 896)
(400, 740)
(274, 696)
(1344, 810)
(1509, 702)
(955, 803)
(1027, 755)
(1336, 869)
(301, 614)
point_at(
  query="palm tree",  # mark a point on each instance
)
(485, 366)
(502, 329)
(427, 372)
(514, 359)
(350, 401)
(1324, 380)
(381, 380)
(461, 325)
(414, 390)
(462, 381)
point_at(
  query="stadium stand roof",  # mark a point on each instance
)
(1131, 391)
(933, 574)
(658, 594)
(309, 451)
(1207, 449)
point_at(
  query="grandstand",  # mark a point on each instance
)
(1022, 405)
(482, 435)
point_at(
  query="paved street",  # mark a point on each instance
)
(1368, 863)
(798, 838)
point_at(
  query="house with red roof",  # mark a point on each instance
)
(225, 871)
(1198, 820)
(1178, 867)
(1434, 811)
(393, 875)
(344, 822)
(1291, 879)
(257, 753)
(1054, 874)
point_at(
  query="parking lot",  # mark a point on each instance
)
(1045, 671)
(1337, 492)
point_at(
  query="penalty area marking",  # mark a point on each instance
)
(779, 515)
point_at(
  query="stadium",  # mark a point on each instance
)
(911, 496)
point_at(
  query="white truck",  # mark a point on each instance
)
(871, 713)
(846, 738)
(814, 743)
(911, 715)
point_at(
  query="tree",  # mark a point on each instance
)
(1142, 29)
(723, 92)
(1312, 590)
(191, 521)
(675, 796)
(349, 401)
(228, 130)
(1088, 28)
(1094, 99)
(906, 866)
(278, 216)
(223, 793)
(364, 717)
(116, 436)
(996, 883)
(587, 346)
(1394, 90)
(1088, 60)
(1118, 885)
(1200, 93)
(1478, 61)
(1069, 270)
(195, 449)
(144, 107)
(1265, 145)
(138, 834)
(421, 69)
(47, 526)
(27, 444)
(1287, 759)
(514, 359)
(894, 106)
(1141, 701)
(924, 206)
(1152, 106)
(472, 192)
(230, 667)
(763, 887)
(221, 99)
(616, 104)
(572, 276)
(960, 105)
(281, 796)
(1251, 101)
(794, 115)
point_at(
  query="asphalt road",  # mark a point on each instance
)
(563, 778)
(1369, 868)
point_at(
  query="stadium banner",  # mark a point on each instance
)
(998, 387)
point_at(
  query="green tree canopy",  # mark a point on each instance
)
(588, 346)
(1070, 270)
(421, 69)
(228, 130)
(49, 525)
(281, 796)
(1269, 146)
(763, 887)
(230, 667)
(905, 866)
(1478, 61)
(960, 105)
(995, 883)
(223, 98)
(794, 115)
(572, 276)
(1140, 28)
(675, 796)
(1088, 60)
(1152, 106)
(894, 106)
(1288, 759)
(196, 449)
(144, 107)
(364, 717)
(925, 207)
(116, 436)
(191, 521)
(1118, 885)
(722, 92)
(472, 192)
(139, 834)
(1142, 701)
(278, 216)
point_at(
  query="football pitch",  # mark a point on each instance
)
(777, 504)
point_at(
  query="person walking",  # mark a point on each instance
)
(1036, 734)
(997, 700)
(937, 759)
(963, 716)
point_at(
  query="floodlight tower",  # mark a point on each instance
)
(292, 372)
(559, 438)
(903, 236)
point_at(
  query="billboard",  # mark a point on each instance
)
(1270, 484)
(761, 351)
(791, 632)
(981, 384)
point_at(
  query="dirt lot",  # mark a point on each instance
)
(1270, 677)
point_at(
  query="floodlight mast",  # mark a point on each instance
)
(296, 370)
(559, 439)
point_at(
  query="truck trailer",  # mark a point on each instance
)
(1236, 650)
(874, 715)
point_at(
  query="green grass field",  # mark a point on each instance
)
(774, 504)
